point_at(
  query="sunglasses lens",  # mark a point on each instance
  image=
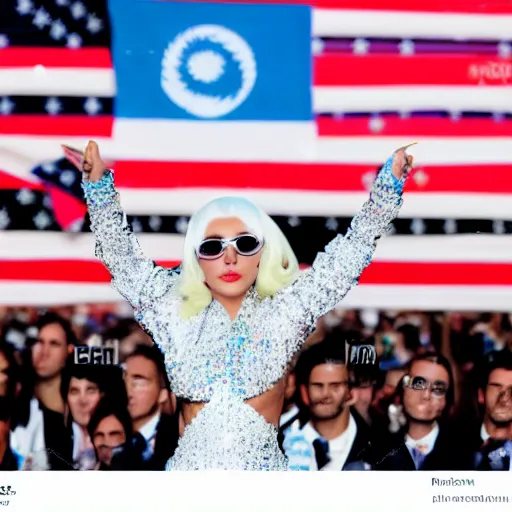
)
(210, 248)
(247, 244)
(419, 383)
(439, 390)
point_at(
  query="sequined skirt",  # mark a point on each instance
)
(228, 434)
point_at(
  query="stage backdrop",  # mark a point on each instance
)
(294, 105)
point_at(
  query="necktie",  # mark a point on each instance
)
(418, 457)
(143, 446)
(321, 447)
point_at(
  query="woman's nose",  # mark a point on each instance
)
(230, 255)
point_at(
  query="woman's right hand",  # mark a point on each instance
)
(93, 165)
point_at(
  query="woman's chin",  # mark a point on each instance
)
(231, 290)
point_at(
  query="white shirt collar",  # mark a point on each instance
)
(288, 415)
(78, 439)
(484, 434)
(339, 447)
(148, 430)
(427, 442)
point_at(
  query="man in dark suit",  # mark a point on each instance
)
(427, 440)
(493, 438)
(147, 388)
(325, 436)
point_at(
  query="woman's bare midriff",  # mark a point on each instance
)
(268, 404)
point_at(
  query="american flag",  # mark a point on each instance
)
(385, 73)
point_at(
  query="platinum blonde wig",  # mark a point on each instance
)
(278, 265)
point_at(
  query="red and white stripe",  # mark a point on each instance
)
(434, 272)
(342, 83)
(336, 184)
(439, 19)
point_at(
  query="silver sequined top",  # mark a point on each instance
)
(209, 355)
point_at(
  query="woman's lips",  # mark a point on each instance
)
(231, 277)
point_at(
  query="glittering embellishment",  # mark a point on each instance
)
(210, 358)
(235, 436)
(101, 192)
(134, 276)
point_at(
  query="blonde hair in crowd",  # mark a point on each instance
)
(278, 265)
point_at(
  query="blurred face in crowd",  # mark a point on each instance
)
(393, 377)
(425, 398)
(83, 397)
(498, 397)
(50, 351)
(144, 388)
(327, 391)
(230, 275)
(109, 434)
(363, 396)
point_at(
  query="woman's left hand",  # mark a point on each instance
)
(402, 163)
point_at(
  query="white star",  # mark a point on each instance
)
(4, 41)
(76, 226)
(294, 221)
(41, 18)
(404, 114)
(418, 226)
(74, 41)
(49, 168)
(62, 3)
(455, 115)
(155, 223)
(42, 220)
(420, 177)
(407, 47)
(47, 202)
(450, 226)
(53, 106)
(67, 178)
(94, 24)
(136, 225)
(504, 50)
(78, 10)
(58, 30)
(317, 46)
(92, 106)
(6, 106)
(25, 7)
(376, 124)
(498, 227)
(25, 196)
(331, 224)
(498, 116)
(360, 46)
(181, 225)
(5, 220)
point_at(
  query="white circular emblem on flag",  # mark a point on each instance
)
(208, 71)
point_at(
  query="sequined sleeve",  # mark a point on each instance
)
(336, 270)
(137, 278)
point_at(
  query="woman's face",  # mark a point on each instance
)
(230, 275)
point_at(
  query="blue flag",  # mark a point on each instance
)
(209, 61)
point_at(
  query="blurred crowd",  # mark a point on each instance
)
(438, 395)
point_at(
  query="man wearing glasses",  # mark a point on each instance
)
(426, 439)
